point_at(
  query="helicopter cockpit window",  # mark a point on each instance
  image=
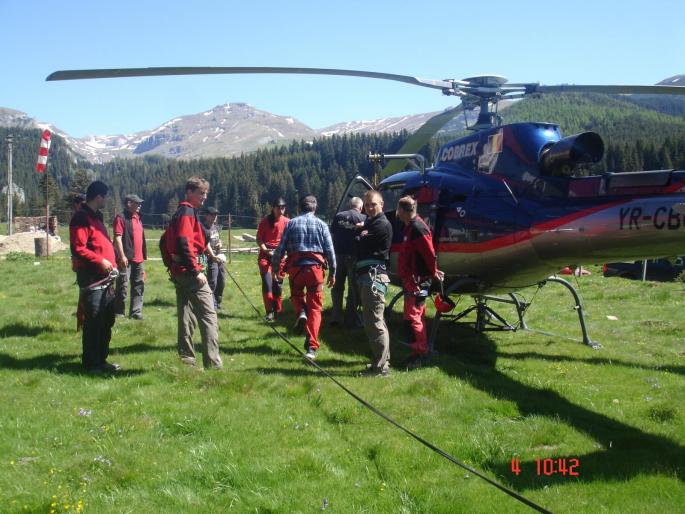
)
(391, 196)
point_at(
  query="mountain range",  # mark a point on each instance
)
(235, 128)
(223, 131)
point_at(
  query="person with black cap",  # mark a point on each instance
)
(216, 274)
(269, 234)
(131, 250)
(95, 265)
(308, 244)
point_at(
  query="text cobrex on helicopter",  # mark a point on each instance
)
(459, 151)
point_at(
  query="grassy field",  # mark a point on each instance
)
(271, 434)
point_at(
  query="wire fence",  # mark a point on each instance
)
(149, 219)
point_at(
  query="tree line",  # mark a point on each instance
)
(636, 138)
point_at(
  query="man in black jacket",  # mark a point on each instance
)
(129, 243)
(343, 231)
(373, 253)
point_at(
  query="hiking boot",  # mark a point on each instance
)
(270, 317)
(300, 323)
(188, 361)
(372, 371)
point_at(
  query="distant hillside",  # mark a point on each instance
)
(673, 105)
(635, 137)
(61, 166)
(612, 117)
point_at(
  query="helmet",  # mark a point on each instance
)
(443, 304)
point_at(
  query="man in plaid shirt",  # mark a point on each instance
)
(308, 244)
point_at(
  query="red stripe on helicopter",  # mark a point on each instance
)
(521, 235)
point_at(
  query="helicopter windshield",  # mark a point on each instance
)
(391, 195)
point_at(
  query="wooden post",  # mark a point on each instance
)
(47, 218)
(229, 238)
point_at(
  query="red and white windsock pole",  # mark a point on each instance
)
(43, 151)
(41, 164)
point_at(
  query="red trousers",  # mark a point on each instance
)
(309, 278)
(271, 291)
(415, 316)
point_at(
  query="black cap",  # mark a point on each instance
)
(211, 210)
(133, 198)
(78, 198)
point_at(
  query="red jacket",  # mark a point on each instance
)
(89, 241)
(185, 241)
(417, 261)
(270, 235)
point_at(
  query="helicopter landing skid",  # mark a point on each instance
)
(487, 319)
(578, 307)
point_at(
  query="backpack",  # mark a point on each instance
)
(164, 251)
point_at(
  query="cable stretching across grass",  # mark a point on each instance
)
(387, 418)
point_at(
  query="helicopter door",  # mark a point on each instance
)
(358, 186)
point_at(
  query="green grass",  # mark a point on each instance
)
(271, 434)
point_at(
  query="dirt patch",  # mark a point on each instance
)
(24, 242)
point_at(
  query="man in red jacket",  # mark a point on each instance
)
(417, 266)
(186, 244)
(94, 262)
(131, 251)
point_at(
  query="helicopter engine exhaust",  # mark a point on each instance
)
(562, 157)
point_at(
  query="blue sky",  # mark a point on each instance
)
(580, 42)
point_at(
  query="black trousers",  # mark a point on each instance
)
(134, 272)
(99, 319)
(216, 277)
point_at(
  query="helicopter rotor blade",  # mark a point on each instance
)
(611, 90)
(199, 70)
(419, 138)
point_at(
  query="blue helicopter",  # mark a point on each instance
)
(506, 204)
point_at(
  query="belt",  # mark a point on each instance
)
(367, 263)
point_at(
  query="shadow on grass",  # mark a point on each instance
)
(58, 363)
(301, 372)
(625, 450)
(24, 330)
(159, 302)
(140, 348)
(229, 349)
(680, 370)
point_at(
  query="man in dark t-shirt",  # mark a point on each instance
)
(373, 252)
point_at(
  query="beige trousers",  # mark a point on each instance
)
(195, 306)
(373, 306)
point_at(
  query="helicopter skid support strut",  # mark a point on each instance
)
(487, 319)
(579, 308)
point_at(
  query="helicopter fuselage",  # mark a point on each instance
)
(506, 212)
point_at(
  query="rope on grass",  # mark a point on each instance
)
(387, 418)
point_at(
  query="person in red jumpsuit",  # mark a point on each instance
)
(269, 234)
(417, 266)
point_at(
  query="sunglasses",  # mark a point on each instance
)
(281, 206)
